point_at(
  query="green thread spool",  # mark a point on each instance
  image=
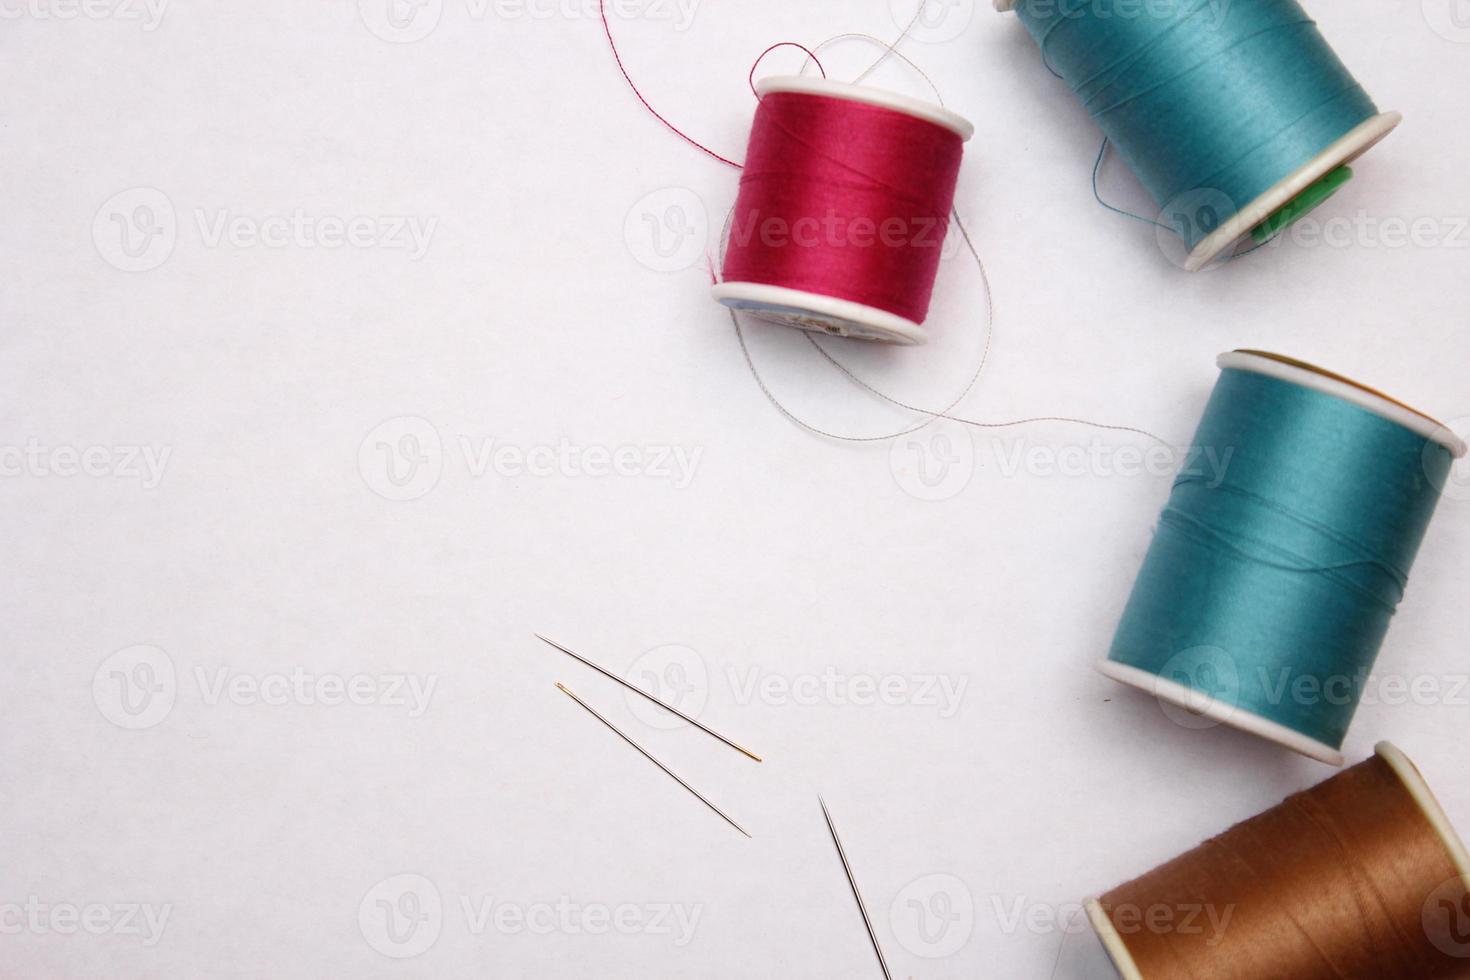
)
(1271, 582)
(1237, 116)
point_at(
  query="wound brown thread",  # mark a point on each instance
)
(1358, 877)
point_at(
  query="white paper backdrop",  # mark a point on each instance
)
(334, 316)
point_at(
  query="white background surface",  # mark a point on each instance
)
(534, 320)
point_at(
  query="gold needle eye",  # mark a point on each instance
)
(638, 690)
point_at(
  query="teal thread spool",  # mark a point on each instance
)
(1272, 578)
(1236, 115)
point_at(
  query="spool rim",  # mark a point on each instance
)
(883, 98)
(1112, 941)
(1345, 150)
(1418, 788)
(886, 327)
(1230, 715)
(1307, 375)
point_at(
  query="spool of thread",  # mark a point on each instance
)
(1283, 552)
(1360, 877)
(1237, 117)
(843, 209)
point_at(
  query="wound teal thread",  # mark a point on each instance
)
(1212, 103)
(1271, 589)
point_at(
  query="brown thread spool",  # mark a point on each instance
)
(1359, 877)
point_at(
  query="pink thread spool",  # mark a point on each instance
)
(843, 209)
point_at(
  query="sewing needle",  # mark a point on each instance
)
(638, 690)
(862, 907)
(647, 755)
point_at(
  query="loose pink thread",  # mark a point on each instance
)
(613, 44)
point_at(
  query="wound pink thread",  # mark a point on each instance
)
(844, 199)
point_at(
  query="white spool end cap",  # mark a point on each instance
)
(819, 314)
(1219, 711)
(1414, 782)
(1112, 942)
(868, 95)
(1358, 141)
